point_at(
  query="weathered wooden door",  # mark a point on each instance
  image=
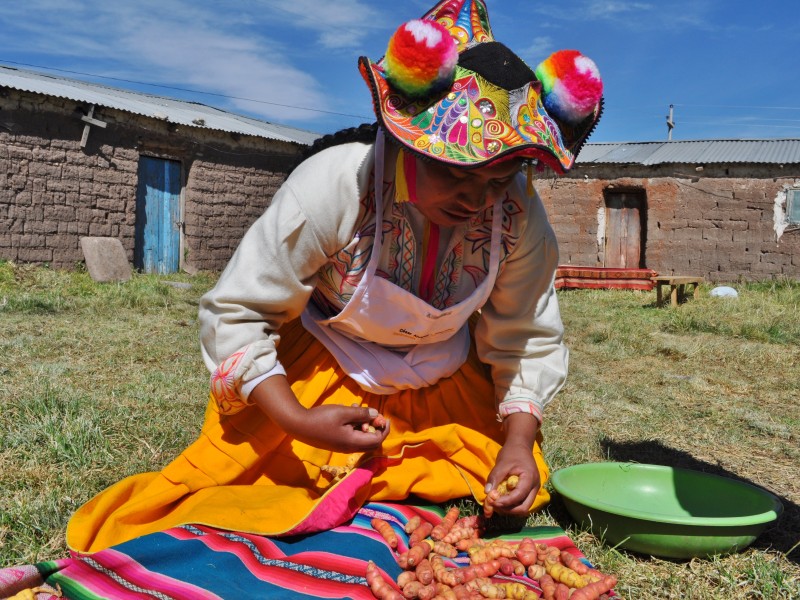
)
(157, 241)
(623, 240)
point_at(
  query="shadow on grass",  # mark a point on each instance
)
(783, 536)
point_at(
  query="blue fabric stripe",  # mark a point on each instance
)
(191, 561)
(335, 542)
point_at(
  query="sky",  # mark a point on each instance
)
(729, 68)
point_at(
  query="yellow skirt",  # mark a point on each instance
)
(245, 474)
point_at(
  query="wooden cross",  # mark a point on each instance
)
(90, 120)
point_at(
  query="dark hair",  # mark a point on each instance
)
(365, 132)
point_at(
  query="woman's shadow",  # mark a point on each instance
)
(783, 535)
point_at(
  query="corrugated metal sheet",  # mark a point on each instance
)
(777, 151)
(191, 114)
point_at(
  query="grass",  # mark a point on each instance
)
(711, 385)
(100, 381)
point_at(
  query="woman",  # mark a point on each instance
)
(373, 342)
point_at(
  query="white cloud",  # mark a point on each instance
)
(336, 24)
(242, 67)
(170, 42)
(609, 9)
(537, 50)
(642, 16)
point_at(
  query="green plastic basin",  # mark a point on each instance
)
(665, 511)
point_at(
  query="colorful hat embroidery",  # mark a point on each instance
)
(494, 107)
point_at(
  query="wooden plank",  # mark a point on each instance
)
(85, 136)
(633, 232)
(91, 121)
(678, 279)
(614, 255)
(623, 235)
(170, 218)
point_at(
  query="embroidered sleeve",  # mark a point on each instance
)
(515, 405)
(520, 333)
(229, 392)
(274, 270)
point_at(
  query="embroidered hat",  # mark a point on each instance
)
(447, 90)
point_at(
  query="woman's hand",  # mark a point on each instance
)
(330, 426)
(340, 428)
(516, 458)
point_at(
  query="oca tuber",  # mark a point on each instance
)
(497, 568)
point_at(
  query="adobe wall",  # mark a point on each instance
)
(56, 192)
(718, 222)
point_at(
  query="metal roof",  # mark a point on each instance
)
(190, 114)
(768, 151)
(194, 114)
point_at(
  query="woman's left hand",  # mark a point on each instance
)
(516, 458)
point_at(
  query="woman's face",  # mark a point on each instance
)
(449, 196)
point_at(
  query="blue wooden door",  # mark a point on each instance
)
(157, 243)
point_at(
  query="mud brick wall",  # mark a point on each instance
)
(52, 194)
(54, 191)
(718, 222)
(222, 201)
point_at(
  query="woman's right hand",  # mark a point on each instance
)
(330, 426)
(339, 428)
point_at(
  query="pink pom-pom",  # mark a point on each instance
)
(421, 59)
(571, 84)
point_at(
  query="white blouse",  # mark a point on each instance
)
(317, 224)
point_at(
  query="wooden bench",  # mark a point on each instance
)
(677, 286)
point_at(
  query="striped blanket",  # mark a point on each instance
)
(603, 278)
(202, 563)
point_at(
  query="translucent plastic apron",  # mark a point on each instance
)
(381, 314)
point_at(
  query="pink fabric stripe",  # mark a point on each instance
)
(339, 504)
(99, 583)
(265, 545)
(219, 543)
(427, 283)
(331, 562)
(135, 573)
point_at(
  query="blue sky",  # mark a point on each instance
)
(730, 68)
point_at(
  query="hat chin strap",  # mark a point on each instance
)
(405, 177)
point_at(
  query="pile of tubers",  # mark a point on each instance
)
(497, 568)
